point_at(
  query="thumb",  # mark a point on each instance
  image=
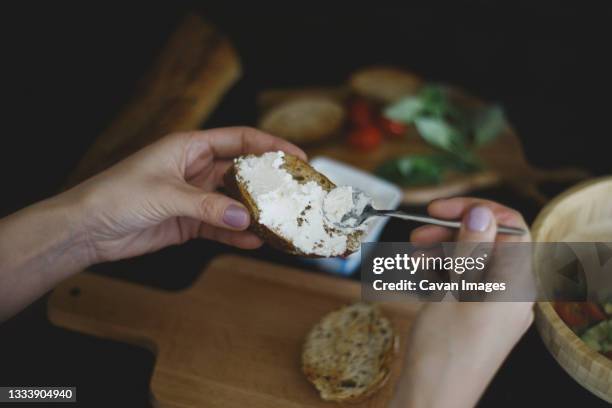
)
(212, 208)
(478, 225)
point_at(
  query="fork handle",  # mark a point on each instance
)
(443, 223)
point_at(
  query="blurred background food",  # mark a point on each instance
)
(384, 84)
(304, 120)
(432, 140)
(578, 334)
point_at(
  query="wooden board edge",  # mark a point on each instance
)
(160, 106)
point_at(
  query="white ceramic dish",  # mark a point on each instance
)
(384, 194)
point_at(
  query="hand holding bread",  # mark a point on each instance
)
(166, 194)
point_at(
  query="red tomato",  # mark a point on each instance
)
(391, 127)
(594, 312)
(365, 138)
(361, 113)
(572, 314)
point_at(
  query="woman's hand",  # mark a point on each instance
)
(162, 195)
(455, 348)
(166, 194)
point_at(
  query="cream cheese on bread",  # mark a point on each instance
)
(292, 208)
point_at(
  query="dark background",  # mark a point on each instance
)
(67, 70)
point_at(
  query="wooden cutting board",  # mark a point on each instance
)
(233, 339)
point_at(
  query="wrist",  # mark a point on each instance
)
(40, 246)
(70, 208)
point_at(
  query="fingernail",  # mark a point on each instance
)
(236, 216)
(479, 219)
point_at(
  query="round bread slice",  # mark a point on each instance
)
(384, 84)
(347, 355)
(306, 119)
(303, 173)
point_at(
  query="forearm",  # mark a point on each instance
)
(39, 246)
(455, 349)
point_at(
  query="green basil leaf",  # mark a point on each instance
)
(406, 110)
(439, 133)
(423, 169)
(435, 100)
(488, 124)
(412, 170)
(453, 129)
(419, 169)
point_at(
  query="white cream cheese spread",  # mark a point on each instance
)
(343, 206)
(291, 209)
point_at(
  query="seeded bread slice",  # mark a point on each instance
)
(347, 355)
(303, 173)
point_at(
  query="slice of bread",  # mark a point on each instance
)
(347, 355)
(384, 84)
(305, 119)
(303, 173)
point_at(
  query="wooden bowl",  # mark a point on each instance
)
(579, 214)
